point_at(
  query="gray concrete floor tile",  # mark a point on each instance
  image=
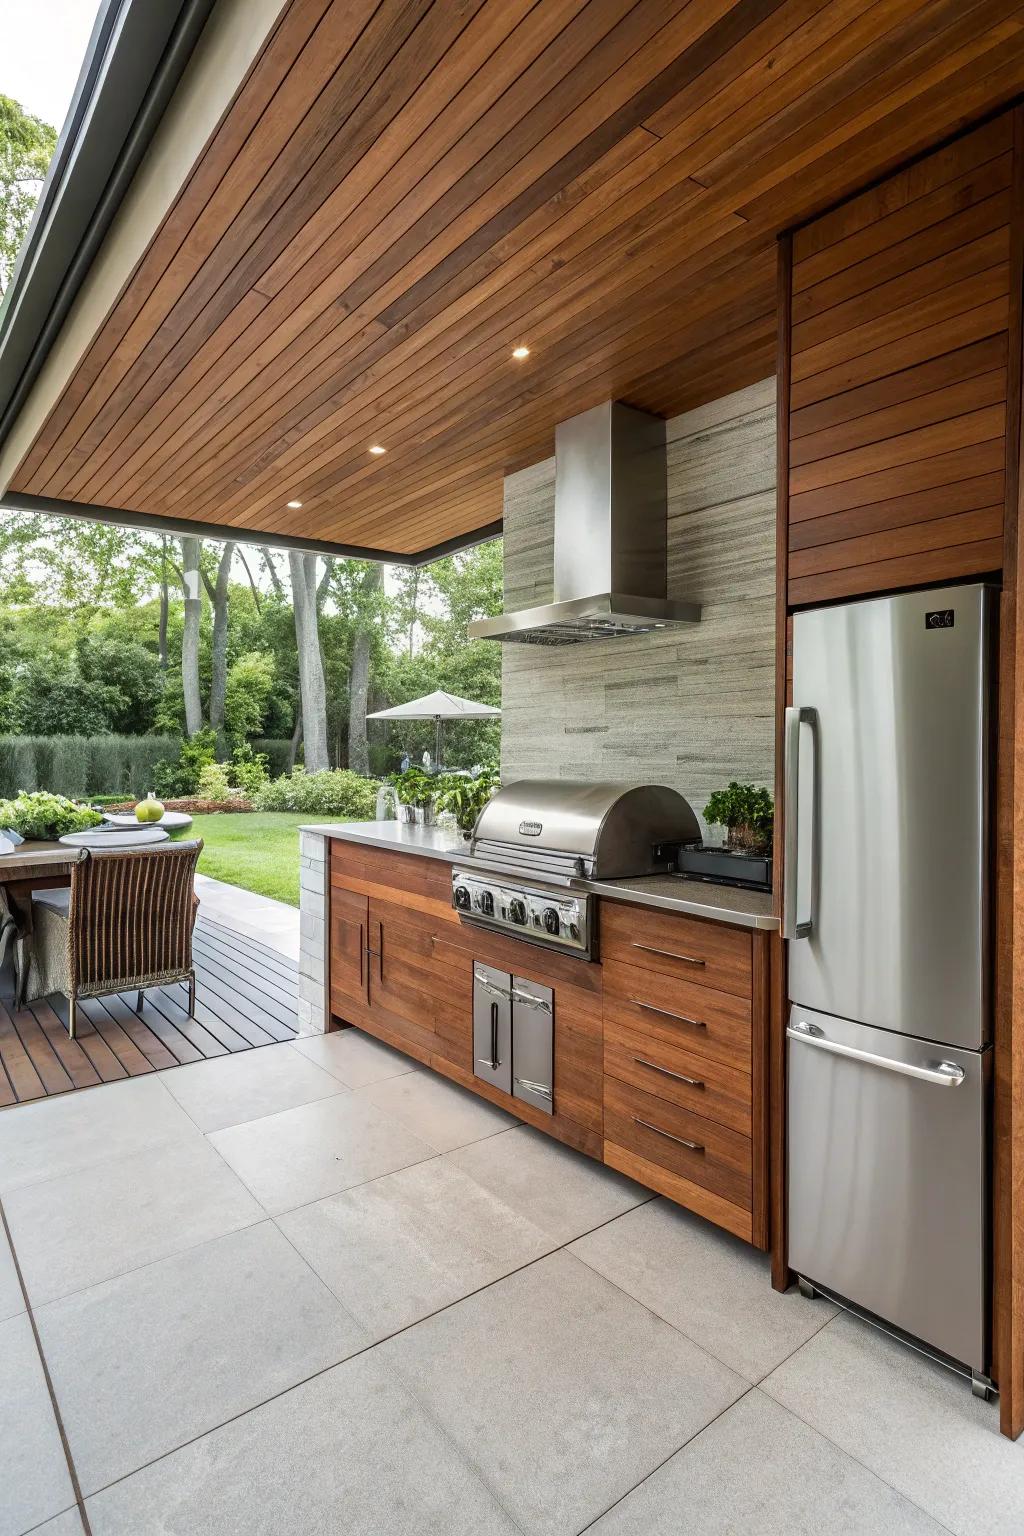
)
(759, 1469)
(705, 1282)
(116, 1215)
(406, 1245)
(558, 1189)
(354, 1058)
(349, 1452)
(316, 1150)
(51, 1137)
(34, 1479)
(444, 1114)
(145, 1362)
(229, 1090)
(911, 1421)
(563, 1391)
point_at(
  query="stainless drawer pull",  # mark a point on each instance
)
(666, 1013)
(669, 954)
(694, 1146)
(694, 1082)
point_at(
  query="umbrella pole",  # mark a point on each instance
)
(437, 743)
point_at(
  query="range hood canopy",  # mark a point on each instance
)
(611, 536)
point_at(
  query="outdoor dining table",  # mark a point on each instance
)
(33, 866)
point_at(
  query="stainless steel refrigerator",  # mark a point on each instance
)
(887, 870)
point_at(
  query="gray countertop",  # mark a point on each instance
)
(673, 893)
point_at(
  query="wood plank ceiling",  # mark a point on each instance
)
(403, 191)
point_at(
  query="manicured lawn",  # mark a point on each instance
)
(258, 851)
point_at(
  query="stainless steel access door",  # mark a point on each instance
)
(492, 1026)
(533, 1043)
(886, 1177)
(886, 812)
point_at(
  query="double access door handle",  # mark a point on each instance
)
(946, 1075)
(495, 1063)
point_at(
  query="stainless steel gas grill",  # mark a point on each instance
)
(559, 832)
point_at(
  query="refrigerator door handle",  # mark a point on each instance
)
(796, 925)
(946, 1075)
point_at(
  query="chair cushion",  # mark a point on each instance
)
(58, 900)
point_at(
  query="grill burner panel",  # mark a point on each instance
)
(539, 916)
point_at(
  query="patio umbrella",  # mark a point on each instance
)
(437, 706)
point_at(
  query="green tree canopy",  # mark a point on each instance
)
(26, 146)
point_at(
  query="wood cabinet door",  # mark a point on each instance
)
(416, 977)
(349, 929)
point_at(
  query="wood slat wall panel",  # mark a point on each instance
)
(402, 192)
(897, 433)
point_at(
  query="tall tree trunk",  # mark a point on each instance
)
(313, 691)
(165, 607)
(414, 598)
(293, 745)
(191, 584)
(219, 657)
(359, 680)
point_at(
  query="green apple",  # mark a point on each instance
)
(150, 809)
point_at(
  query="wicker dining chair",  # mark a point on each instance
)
(125, 925)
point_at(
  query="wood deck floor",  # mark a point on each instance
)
(245, 997)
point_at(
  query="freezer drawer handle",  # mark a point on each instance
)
(670, 954)
(694, 1082)
(666, 1013)
(694, 1146)
(946, 1075)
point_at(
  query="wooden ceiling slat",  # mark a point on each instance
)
(402, 190)
(517, 162)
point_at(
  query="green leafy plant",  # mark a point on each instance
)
(464, 798)
(42, 815)
(172, 779)
(248, 770)
(747, 811)
(337, 792)
(415, 787)
(214, 782)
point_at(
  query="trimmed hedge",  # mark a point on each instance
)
(79, 766)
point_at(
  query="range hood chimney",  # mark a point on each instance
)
(611, 535)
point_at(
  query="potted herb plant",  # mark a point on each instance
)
(748, 814)
(415, 790)
(464, 798)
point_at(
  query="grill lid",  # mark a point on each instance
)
(566, 827)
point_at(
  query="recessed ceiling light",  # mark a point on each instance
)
(520, 352)
(376, 448)
(295, 505)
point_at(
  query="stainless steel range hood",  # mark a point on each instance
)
(611, 534)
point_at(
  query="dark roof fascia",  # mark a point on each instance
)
(19, 501)
(137, 54)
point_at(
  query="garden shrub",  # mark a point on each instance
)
(337, 792)
(68, 772)
(248, 770)
(213, 783)
(181, 777)
(276, 750)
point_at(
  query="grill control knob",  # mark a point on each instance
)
(550, 920)
(487, 903)
(462, 898)
(517, 910)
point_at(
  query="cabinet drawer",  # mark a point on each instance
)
(699, 952)
(697, 1083)
(706, 1154)
(715, 1024)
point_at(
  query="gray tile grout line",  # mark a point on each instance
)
(76, 1486)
